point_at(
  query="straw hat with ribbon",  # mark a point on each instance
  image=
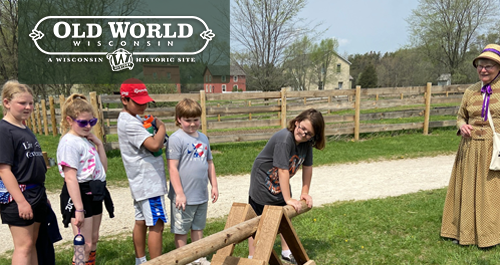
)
(490, 52)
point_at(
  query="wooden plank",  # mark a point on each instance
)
(241, 137)
(275, 259)
(266, 232)
(311, 262)
(242, 124)
(288, 232)
(242, 110)
(244, 96)
(320, 93)
(325, 106)
(387, 103)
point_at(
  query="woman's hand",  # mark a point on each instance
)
(25, 211)
(295, 204)
(466, 130)
(308, 199)
(79, 218)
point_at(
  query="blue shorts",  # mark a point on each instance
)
(151, 210)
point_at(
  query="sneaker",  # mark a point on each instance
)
(290, 259)
(202, 261)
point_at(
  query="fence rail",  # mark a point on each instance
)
(240, 113)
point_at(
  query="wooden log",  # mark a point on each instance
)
(211, 243)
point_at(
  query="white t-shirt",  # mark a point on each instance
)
(145, 172)
(79, 153)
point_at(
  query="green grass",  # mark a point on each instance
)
(398, 230)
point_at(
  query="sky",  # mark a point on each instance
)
(362, 26)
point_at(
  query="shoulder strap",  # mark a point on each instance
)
(490, 120)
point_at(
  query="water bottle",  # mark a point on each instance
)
(79, 244)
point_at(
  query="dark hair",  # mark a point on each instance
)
(318, 124)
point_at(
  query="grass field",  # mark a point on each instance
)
(395, 230)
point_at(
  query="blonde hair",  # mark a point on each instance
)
(13, 87)
(187, 108)
(73, 106)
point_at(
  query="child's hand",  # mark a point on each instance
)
(79, 218)
(180, 201)
(25, 211)
(91, 137)
(215, 194)
(308, 199)
(159, 123)
(296, 204)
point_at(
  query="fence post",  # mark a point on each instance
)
(329, 102)
(45, 120)
(283, 108)
(427, 108)
(357, 106)
(53, 116)
(218, 115)
(203, 112)
(61, 104)
(33, 122)
(97, 128)
(249, 114)
(38, 117)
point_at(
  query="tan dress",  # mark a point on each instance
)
(472, 207)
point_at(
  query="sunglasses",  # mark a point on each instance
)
(84, 123)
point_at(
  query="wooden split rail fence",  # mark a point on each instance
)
(234, 117)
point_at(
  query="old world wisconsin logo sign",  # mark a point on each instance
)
(108, 41)
(122, 31)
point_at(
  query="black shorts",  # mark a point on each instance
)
(258, 208)
(10, 214)
(90, 206)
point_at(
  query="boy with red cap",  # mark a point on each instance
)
(145, 172)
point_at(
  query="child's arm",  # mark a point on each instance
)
(155, 142)
(284, 178)
(74, 193)
(213, 181)
(306, 184)
(10, 182)
(100, 149)
(175, 180)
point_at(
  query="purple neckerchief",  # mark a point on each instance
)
(486, 100)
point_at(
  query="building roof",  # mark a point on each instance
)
(217, 70)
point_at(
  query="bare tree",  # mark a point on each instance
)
(8, 39)
(264, 29)
(447, 28)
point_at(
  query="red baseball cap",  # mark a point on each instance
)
(136, 90)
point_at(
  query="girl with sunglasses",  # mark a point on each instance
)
(83, 164)
(22, 171)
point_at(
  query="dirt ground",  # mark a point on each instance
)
(343, 182)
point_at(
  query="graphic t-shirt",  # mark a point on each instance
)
(280, 152)
(79, 153)
(193, 154)
(20, 149)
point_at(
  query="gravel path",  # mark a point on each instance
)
(355, 181)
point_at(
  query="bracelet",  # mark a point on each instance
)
(80, 211)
